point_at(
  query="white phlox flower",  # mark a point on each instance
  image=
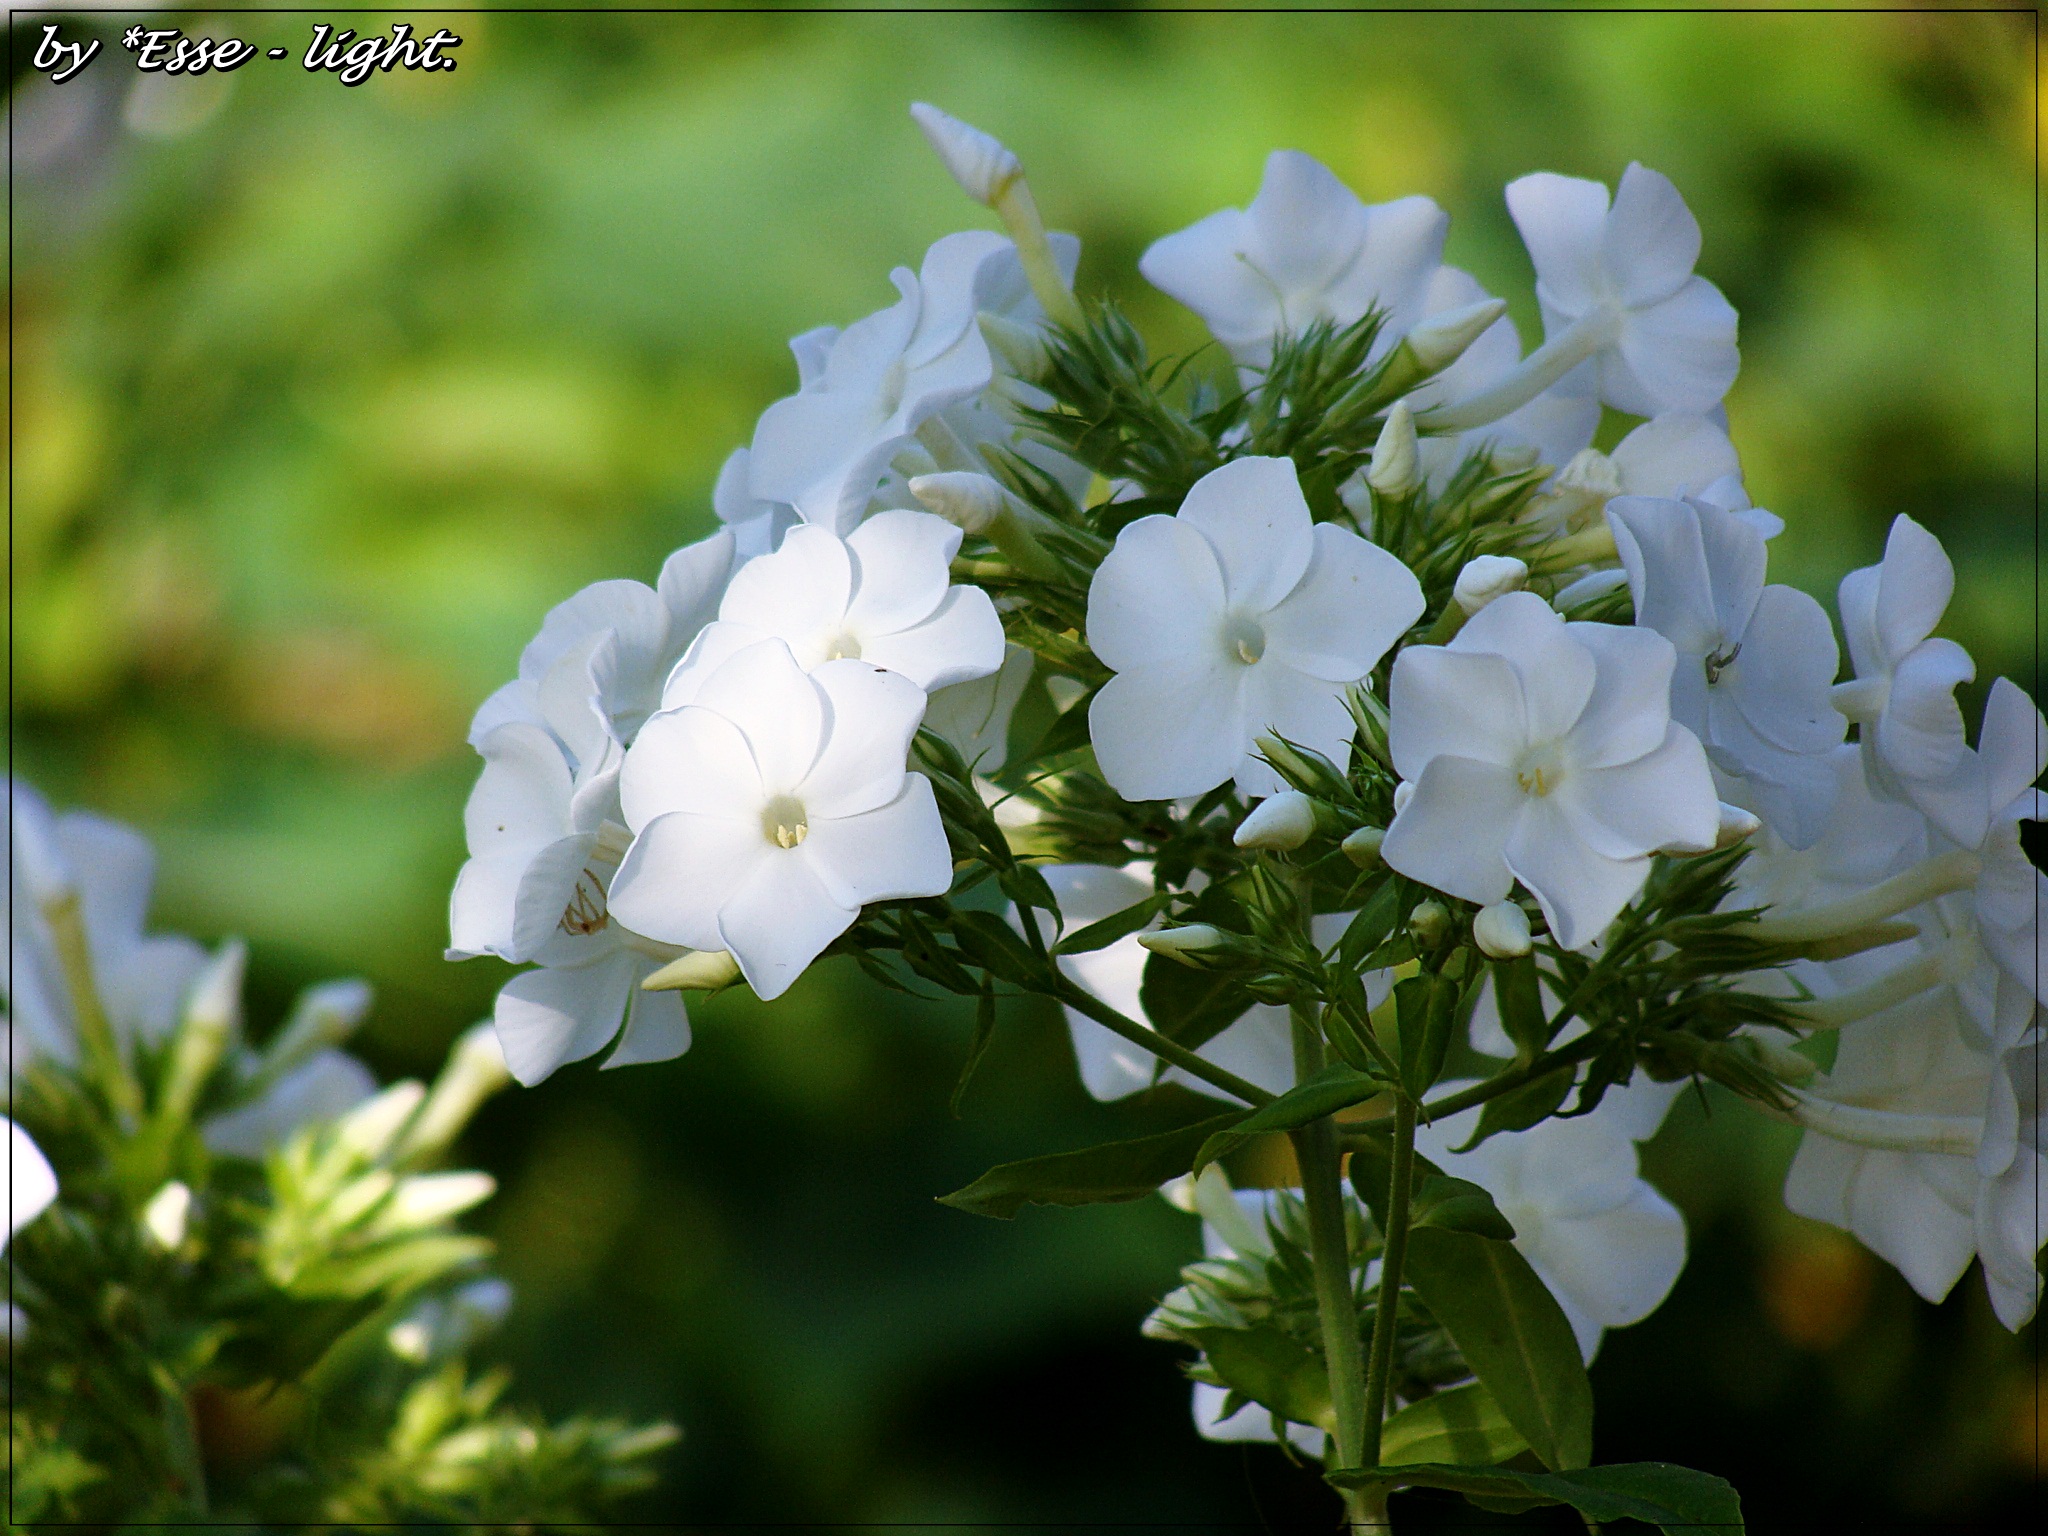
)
(2011, 893)
(1258, 1046)
(868, 388)
(545, 831)
(1306, 249)
(326, 1086)
(756, 526)
(1678, 455)
(107, 868)
(1755, 662)
(1619, 279)
(882, 595)
(1544, 752)
(1236, 615)
(770, 809)
(1606, 1243)
(1903, 697)
(975, 716)
(31, 1182)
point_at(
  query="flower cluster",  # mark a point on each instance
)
(1390, 762)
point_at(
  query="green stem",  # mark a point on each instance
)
(1315, 1148)
(95, 1031)
(1152, 1040)
(1505, 1082)
(1380, 1368)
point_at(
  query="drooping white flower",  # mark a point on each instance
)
(1605, 1242)
(106, 869)
(31, 1182)
(824, 449)
(773, 807)
(881, 594)
(1543, 752)
(1666, 336)
(1755, 662)
(1235, 616)
(1306, 249)
(1903, 697)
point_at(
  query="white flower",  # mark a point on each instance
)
(31, 1182)
(1903, 698)
(1607, 1245)
(323, 1087)
(1236, 616)
(2011, 894)
(1305, 250)
(975, 716)
(756, 526)
(1626, 273)
(879, 595)
(773, 807)
(1543, 752)
(107, 869)
(824, 449)
(1755, 662)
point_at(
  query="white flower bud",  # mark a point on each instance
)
(1395, 469)
(1020, 347)
(429, 1198)
(1430, 923)
(476, 1069)
(978, 161)
(1591, 474)
(1403, 793)
(701, 970)
(164, 1218)
(969, 501)
(1281, 822)
(1486, 577)
(1184, 942)
(1363, 847)
(1501, 931)
(1735, 825)
(1442, 339)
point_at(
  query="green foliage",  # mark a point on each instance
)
(1117, 1170)
(1462, 1425)
(1674, 1499)
(1321, 1093)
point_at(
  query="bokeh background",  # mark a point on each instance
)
(322, 396)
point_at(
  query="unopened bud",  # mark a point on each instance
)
(1430, 924)
(164, 1218)
(1395, 469)
(1186, 942)
(701, 970)
(1280, 823)
(978, 161)
(1442, 339)
(1300, 765)
(1363, 846)
(1781, 1061)
(1486, 577)
(1501, 931)
(1590, 474)
(213, 1016)
(1732, 825)
(476, 1069)
(1403, 793)
(969, 501)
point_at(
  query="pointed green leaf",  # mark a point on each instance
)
(1520, 1000)
(1463, 1425)
(1517, 1110)
(1273, 1369)
(1514, 1335)
(1424, 1007)
(987, 941)
(1188, 1006)
(984, 1032)
(1118, 925)
(1336, 1087)
(1117, 1170)
(1458, 1205)
(1674, 1499)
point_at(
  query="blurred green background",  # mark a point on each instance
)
(322, 396)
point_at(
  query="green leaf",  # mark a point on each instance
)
(984, 1032)
(1188, 1006)
(1335, 1087)
(1463, 1425)
(1024, 885)
(1458, 1205)
(989, 942)
(1271, 1368)
(1370, 928)
(1116, 1170)
(1514, 1335)
(1118, 925)
(1068, 733)
(1424, 1008)
(1675, 1499)
(1520, 1108)
(1520, 1000)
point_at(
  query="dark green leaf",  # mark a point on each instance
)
(1522, 1107)
(989, 942)
(1372, 1174)
(1067, 733)
(1376, 919)
(1458, 1205)
(1520, 1001)
(1188, 1006)
(1118, 925)
(1335, 1087)
(1463, 1425)
(1272, 1368)
(1424, 1007)
(1671, 1498)
(984, 1032)
(1025, 886)
(1514, 1335)
(1117, 1170)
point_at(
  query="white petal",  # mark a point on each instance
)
(1556, 669)
(1305, 226)
(1450, 702)
(1781, 677)
(1203, 267)
(1618, 1265)
(1915, 584)
(799, 594)
(551, 1016)
(1628, 712)
(2013, 743)
(689, 760)
(323, 1087)
(31, 1182)
(521, 800)
(1856, 600)
(1662, 799)
(1168, 730)
(680, 871)
(1454, 829)
(1581, 891)
(778, 919)
(693, 582)
(777, 707)
(657, 1028)
(1660, 546)
(1259, 1048)
(1561, 219)
(1298, 707)
(805, 445)
(1676, 454)
(1921, 731)
(902, 559)
(1651, 241)
(890, 853)
(1346, 613)
(960, 641)
(1253, 514)
(873, 714)
(546, 888)
(1680, 352)
(975, 716)
(1157, 594)
(1404, 245)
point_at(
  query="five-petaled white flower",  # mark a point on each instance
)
(1661, 338)
(1237, 615)
(770, 809)
(879, 595)
(1755, 662)
(1543, 752)
(1305, 250)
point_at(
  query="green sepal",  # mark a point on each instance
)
(1514, 1335)
(1116, 1170)
(1674, 1499)
(1335, 1087)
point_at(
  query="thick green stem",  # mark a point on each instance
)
(1315, 1148)
(1380, 1369)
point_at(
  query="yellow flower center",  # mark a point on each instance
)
(783, 820)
